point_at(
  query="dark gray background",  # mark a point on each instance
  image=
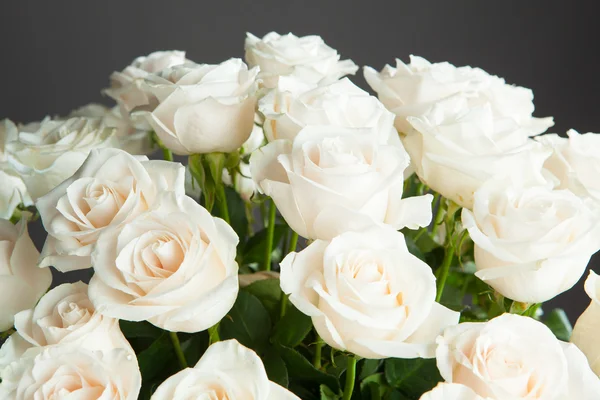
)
(56, 56)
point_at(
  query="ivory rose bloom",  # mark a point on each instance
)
(454, 149)
(413, 89)
(13, 191)
(227, 370)
(531, 243)
(451, 391)
(514, 357)
(173, 266)
(289, 108)
(109, 189)
(575, 162)
(307, 58)
(21, 282)
(329, 180)
(587, 328)
(69, 371)
(46, 154)
(203, 108)
(367, 294)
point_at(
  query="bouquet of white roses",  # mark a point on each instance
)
(319, 243)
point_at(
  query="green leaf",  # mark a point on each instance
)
(269, 293)
(152, 361)
(254, 250)
(291, 330)
(414, 249)
(374, 386)
(248, 322)
(412, 377)
(276, 369)
(328, 394)
(141, 329)
(558, 322)
(369, 367)
(300, 369)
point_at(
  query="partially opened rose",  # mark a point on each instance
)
(329, 180)
(203, 108)
(173, 266)
(587, 328)
(69, 371)
(110, 188)
(308, 58)
(227, 370)
(514, 357)
(451, 391)
(531, 243)
(367, 294)
(455, 148)
(13, 191)
(21, 282)
(46, 154)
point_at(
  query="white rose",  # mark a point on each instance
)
(55, 150)
(331, 179)
(575, 162)
(531, 243)
(367, 294)
(455, 148)
(587, 328)
(68, 371)
(514, 357)
(132, 139)
(126, 85)
(227, 370)
(203, 108)
(413, 89)
(109, 189)
(307, 58)
(21, 282)
(173, 266)
(287, 109)
(63, 315)
(451, 391)
(13, 191)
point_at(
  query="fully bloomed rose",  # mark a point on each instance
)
(514, 357)
(203, 108)
(587, 328)
(227, 370)
(46, 154)
(455, 148)
(71, 371)
(531, 242)
(109, 189)
(13, 191)
(329, 180)
(21, 282)
(413, 89)
(307, 58)
(173, 266)
(367, 294)
(451, 391)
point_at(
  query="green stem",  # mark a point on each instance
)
(213, 334)
(223, 202)
(293, 242)
(317, 357)
(444, 270)
(283, 305)
(178, 351)
(350, 377)
(439, 216)
(270, 234)
(167, 154)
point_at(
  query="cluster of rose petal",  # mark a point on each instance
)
(334, 160)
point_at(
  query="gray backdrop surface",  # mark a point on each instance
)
(56, 56)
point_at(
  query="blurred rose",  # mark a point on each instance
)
(587, 327)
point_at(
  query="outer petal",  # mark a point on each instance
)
(451, 391)
(582, 382)
(587, 328)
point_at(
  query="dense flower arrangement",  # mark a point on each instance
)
(320, 243)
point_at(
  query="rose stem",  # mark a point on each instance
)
(350, 376)
(439, 215)
(167, 154)
(317, 357)
(283, 304)
(223, 202)
(178, 351)
(270, 234)
(293, 242)
(445, 269)
(213, 334)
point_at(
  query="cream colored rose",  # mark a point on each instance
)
(227, 370)
(454, 149)
(367, 294)
(21, 282)
(173, 266)
(514, 357)
(411, 90)
(51, 153)
(451, 391)
(290, 107)
(13, 191)
(109, 189)
(330, 180)
(203, 108)
(307, 58)
(587, 328)
(575, 161)
(69, 371)
(531, 243)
